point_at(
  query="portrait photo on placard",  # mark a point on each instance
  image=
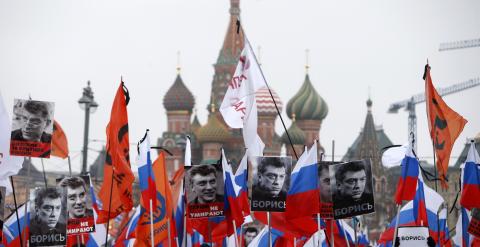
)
(204, 190)
(48, 217)
(352, 191)
(79, 204)
(268, 182)
(32, 127)
(324, 187)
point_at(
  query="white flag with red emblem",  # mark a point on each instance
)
(239, 108)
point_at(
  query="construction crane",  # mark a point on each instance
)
(409, 104)
(459, 44)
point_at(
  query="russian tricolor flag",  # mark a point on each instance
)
(11, 233)
(471, 180)
(419, 206)
(303, 195)
(407, 182)
(235, 196)
(145, 174)
(462, 238)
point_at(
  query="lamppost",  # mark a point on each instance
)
(88, 104)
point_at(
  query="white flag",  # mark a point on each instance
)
(239, 107)
(9, 165)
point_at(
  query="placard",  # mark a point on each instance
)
(413, 236)
(32, 128)
(324, 187)
(79, 204)
(205, 195)
(268, 183)
(48, 217)
(352, 192)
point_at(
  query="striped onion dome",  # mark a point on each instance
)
(307, 104)
(265, 105)
(213, 131)
(296, 134)
(178, 97)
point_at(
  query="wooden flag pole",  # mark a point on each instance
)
(235, 233)
(69, 166)
(269, 230)
(396, 225)
(294, 242)
(16, 211)
(151, 223)
(319, 228)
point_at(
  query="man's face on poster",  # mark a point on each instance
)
(249, 236)
(205, 187)
(33, 124)
(49, 212)
(272, 179)
(76, 202)
(324, 182)
(353, 184)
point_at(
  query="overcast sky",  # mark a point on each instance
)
(49, 49)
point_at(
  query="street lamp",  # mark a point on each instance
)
(88, 104)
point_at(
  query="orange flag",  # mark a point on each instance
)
(444, 123)
(115, 194)
(59, 141)
(162, 213)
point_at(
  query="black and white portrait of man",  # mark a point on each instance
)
(352, 193)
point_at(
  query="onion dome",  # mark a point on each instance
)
(265, 105)
(178, 97)
(296, 134)
(307, 104)
(195, 125)
(214, 130)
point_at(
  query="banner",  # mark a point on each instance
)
(79, 204)
(32, 127)
(352, 191)
(48, 217)
(204, 190)
(415, 236)
(268, 182)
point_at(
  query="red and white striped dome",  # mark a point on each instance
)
(265, 103)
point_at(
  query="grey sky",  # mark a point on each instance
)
(49, 49)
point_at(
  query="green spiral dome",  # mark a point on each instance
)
(307, 104)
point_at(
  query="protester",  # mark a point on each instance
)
(249, 235)
(76, 197)
(203, 182)
(33, 119)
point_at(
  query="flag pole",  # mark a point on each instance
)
(331, 222)
(268, 87)
(294, 242)
(241, 235)
(318, 226)
(396, 225)
(355, 230)
(434, 160)
(269, 230)
(16, 211)
(109, 207)
(168, 232)
(44, 175)
(235, 233)
(27, 188)
(69, 166)
(151, 223)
